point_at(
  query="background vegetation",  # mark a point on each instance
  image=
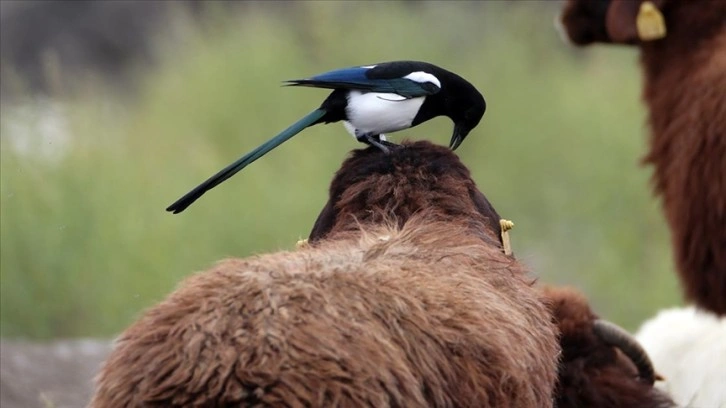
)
(85, 241)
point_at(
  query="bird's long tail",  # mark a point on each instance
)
(227, 172)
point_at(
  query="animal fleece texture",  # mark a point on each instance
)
(408, 307)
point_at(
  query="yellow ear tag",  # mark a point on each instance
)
(650, 22)
(506, 225)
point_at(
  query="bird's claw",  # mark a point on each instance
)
(384, 145)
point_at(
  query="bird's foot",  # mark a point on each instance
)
(377, 141)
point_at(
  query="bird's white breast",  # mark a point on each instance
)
(376, 113)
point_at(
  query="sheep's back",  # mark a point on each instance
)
(349, 326)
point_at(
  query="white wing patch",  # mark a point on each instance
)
(369, 66)
(423, 77)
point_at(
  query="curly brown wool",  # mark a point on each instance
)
(404, 299)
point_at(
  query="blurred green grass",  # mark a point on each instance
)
(86, 245)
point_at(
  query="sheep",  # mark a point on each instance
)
(591, 372)
(403, 298)
(601, 365)
(593, 369)
(683, 57)
(688, 348)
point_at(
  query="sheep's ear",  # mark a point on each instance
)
(324, 223)
(486, 209)
(582, 22)
(629, 21)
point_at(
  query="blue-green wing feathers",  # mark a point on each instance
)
(229, 171)
(356, 78)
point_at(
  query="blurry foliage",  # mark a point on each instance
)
(86, 244)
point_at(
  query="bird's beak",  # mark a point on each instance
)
(460, 133)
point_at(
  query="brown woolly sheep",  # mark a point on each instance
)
(685, 90)
(407, 301)
(594, 368)
(599, 366)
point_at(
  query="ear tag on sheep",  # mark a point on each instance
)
(506, 225)
(650, 22)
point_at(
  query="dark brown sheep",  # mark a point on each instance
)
(404, 300)
(593, 372)
(685, 90)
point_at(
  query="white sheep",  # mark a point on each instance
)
(688, 348)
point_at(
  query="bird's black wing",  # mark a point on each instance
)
(359, 78)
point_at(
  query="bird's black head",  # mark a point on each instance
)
(465, 105)
(446, 94)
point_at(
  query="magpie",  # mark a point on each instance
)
(372, 100)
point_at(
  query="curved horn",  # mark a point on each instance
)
(616, 336)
